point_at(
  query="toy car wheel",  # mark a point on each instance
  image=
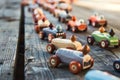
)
(90, 40)
(50, 37)
(105, 25)
(63, 20)
(104, 44)
(116, 66)
(59, 19)
(54, 61)
(75, 67)
(64, 36)
(68, 27)
(89, 22)
(37, 29)
(41, 35)
(50, 48)
(74, 29)
(85, 30)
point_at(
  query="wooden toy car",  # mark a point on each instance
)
(37, 15)
(116, 65)
(97, 21)
(104, 39)
(52, 32)
(42, 24)
(99, 75)
(64, 17)
(57, 43)
(32, 7)
(77, 60)
(64, 6)
(75, 25)
(25, 2)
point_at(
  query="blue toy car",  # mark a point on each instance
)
(99, 75)
(52, 32)
(77, 60)
(116, 65)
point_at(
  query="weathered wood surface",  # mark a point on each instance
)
(9, 28)
(40, 69)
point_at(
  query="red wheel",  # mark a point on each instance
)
(75, 67)
(50, 48)
(41, 35)
(54, 61)
(104, 44)
(37, 29)
(90, 40)
(50, 37)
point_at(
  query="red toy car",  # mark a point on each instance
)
(97, 21)
(75, 25)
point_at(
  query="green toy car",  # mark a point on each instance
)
(104, 39)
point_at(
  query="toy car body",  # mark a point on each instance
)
(116, 65)
(104, 39)
(77, 25)
(57, 43)
(97, 21)
(37, 15)
(99, 75)
(64, 6)
(64, 17)
(76, 60)
(41, 24)
(51, 33)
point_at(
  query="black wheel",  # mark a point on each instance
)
(116, 65)
(90, 40)
(104, 44)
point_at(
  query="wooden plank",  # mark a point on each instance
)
(9, 27)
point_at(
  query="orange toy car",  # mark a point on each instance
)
(42, 23)
(75, 25)
(37, 15)
(97, 21)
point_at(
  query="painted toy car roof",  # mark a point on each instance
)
(99, 75)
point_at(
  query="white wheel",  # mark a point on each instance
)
(103, 44)
(117, 66)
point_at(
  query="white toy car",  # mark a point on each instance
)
(57, 43)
